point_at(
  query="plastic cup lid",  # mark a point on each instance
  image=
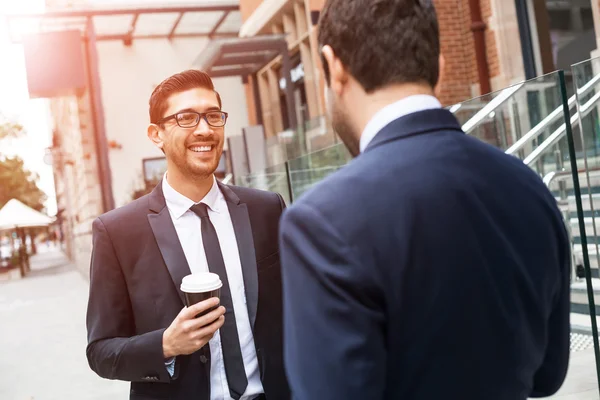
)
(201, 282)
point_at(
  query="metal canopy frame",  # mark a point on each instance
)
(60, 20)
(245, 57)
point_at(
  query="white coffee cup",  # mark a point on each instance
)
(201, 286)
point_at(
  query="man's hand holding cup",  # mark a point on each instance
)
(195, 324)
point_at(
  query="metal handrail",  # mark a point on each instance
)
(585, 88)
(227, 179)
(550, 176)
(539, 128)
(550, 141)
(560, 132)
(563, 175)
(496, 102)
(552, 117)
(506, 94)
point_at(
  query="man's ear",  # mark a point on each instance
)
(442, 68)
(338, 75)
(154, 134)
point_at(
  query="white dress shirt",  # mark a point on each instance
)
(392, 112)
(187, 225)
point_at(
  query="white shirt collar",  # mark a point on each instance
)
(179, 204)
(392, 112)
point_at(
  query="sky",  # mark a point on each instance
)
(16, 105)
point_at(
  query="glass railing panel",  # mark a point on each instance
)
(586, 78)
(312, 135)
(272, 179)
(276, 151)
(518, 119)
(285, 145)
(307, 170)
(569, 185)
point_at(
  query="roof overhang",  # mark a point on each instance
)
(245, 57)
(216, 20)
(239, 56)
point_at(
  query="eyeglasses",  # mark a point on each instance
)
(191, 119)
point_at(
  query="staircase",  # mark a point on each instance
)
(565, 197)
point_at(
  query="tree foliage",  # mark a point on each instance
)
(15, 180)
(9, 129)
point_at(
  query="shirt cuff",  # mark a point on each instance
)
(170, 364)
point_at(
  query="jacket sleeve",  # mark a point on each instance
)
(113, 350)
(551, 374)
(333, 312)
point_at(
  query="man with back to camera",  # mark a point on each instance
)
(432, 266)
(138, 327)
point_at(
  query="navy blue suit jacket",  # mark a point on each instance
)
(433, 266)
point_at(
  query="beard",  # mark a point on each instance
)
(340, 122)
(191, 167)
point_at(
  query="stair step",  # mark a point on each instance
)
(583, 309)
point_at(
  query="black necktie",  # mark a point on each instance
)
(230, 342)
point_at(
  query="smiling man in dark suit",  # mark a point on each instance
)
(138, 327)
(433, 266)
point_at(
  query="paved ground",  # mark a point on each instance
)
(581, 382)
(43, 336)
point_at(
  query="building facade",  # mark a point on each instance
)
(76, 177)
(127, 72)
(487, 45)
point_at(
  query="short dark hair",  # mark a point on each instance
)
(177, 83)
(383, 42)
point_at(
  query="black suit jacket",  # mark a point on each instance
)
(136, 270)
(433, 266)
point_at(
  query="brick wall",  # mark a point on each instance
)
(455, 46)
(458, 48)
(490, 40)
(460, 73)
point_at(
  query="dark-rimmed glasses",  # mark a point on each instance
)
(191, 119)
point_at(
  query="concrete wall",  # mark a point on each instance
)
(128, 75)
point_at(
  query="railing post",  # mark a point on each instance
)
(582, 231)
(289, 181)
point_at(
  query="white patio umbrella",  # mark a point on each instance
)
(15, 214)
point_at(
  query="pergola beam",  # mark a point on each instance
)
(133, 23)
(218, 24)
(128, 36)
(127, 11)
(175, 25)
(160, 36)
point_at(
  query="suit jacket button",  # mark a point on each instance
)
(203, 359)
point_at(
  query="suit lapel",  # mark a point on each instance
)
(167, 239)
(243, 233)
